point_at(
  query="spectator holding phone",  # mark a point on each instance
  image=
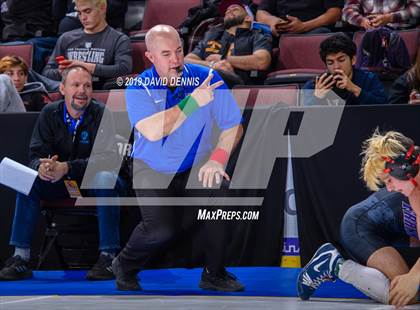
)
(352, 85)
(397, 14)
(102, 50)
(300, 16)
(406, 89)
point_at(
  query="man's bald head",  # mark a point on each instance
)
(159, 32)
(165, 51)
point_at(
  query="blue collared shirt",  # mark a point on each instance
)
(192, 142)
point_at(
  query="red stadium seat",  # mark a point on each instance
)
(22, 50)
(140, 61)
(298, 58)
(114, 99)
(169, 12)
(55, 96)
(101, 95)
(250, 96)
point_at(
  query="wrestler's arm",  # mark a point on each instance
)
(404, 288)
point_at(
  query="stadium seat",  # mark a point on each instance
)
(101, 95)
(253, 96)
(298, 58)
(55, 96)
(170, 12)
(22, 50)
(199, 31)
(140, 61)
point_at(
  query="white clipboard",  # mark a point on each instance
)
(17, 176)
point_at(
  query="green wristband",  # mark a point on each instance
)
(188, 105)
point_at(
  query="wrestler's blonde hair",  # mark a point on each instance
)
(375, 150)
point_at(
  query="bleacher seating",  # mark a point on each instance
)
(140, 61)
(170, 12)
(24, 50)
(298, 58)
(254, 96)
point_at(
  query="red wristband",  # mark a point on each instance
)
(220, 155)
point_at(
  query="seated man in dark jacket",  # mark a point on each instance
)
(60, 150)
(238, 53)
(352, 85)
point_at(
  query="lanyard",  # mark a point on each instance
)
(71, 123)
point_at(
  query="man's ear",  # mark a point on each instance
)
(62, 88)
(102, 8)
(353, 60)
(149, 56)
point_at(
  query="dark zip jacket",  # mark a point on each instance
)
(51, 137)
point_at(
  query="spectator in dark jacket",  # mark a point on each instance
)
(406, 89)
(352, 85)
(61, 150)
(236, 51)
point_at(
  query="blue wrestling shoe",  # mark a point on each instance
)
(319, 270)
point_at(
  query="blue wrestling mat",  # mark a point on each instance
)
(259, 281)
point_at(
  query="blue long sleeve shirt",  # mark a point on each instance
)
(373, 91)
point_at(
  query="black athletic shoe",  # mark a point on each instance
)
(223, 281)
(15, 269)
(124, 281)
(102, 270)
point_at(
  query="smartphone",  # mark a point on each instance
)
(59, 59)
(284, 17)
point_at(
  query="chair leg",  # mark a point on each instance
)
(50, 238)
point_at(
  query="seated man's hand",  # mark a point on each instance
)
(212, 171)
(403, 289)
(295, 25)
(278, 25)
(224, 65)
(379, 20)
(44, 171)
(366, 24)
(204, 93)
(323, 84)
(52, 170)
(213, 57)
